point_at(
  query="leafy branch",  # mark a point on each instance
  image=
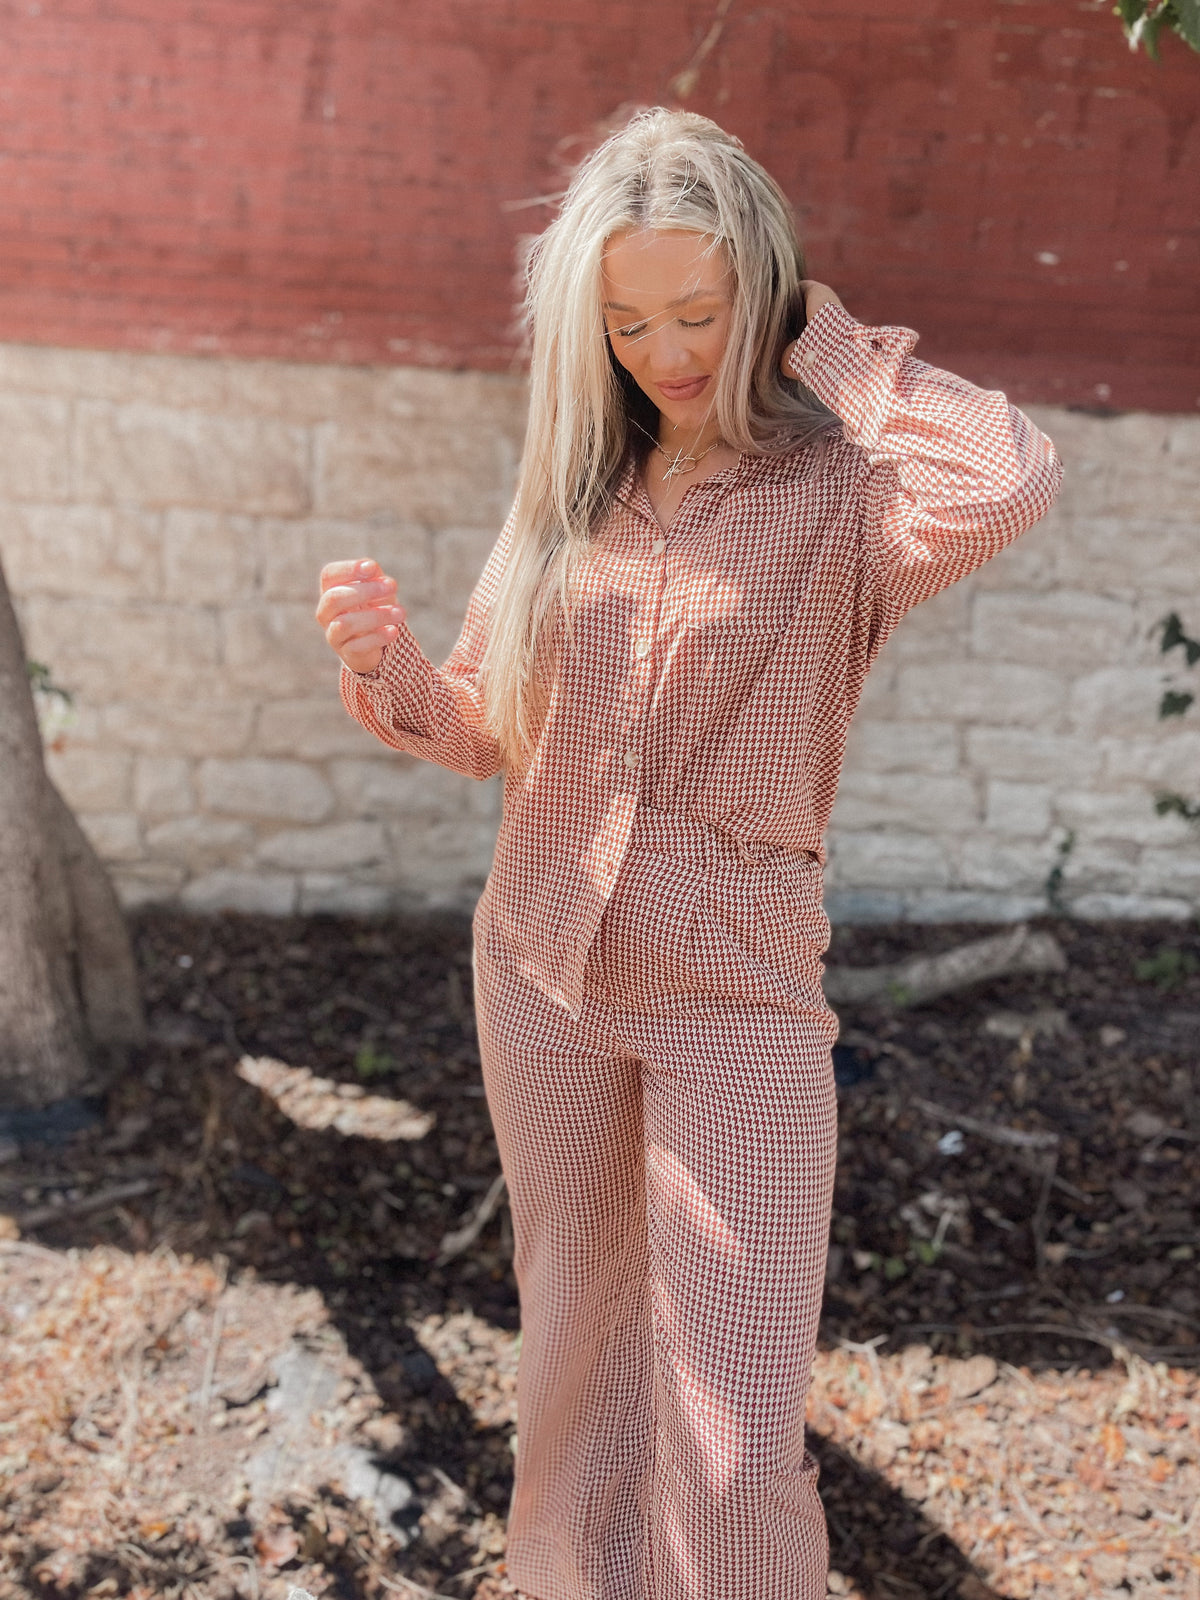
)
(1144, 20)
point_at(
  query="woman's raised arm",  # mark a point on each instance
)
(956, 472)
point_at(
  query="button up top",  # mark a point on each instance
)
(714, 671)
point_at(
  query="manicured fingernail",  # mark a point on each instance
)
(366, 569)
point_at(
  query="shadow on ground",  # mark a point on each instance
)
(929, 1246)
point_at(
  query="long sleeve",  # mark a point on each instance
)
(435, 712)
(955, 472)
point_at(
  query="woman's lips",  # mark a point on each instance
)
(685, 389)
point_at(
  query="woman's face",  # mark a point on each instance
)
(668, 299)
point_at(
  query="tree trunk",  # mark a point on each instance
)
(68, 986)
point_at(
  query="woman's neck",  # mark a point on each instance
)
(686, 441)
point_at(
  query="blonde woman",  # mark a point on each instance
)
(717, 524)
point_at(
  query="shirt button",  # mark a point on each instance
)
(808, 359)
(632, 758)
(642, 647)
(658, 547)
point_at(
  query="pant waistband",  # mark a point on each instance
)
(685, 837)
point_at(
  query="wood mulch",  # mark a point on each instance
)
(238, 1354)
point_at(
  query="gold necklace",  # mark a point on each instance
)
(678, 464)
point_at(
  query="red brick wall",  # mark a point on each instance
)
(345, 179)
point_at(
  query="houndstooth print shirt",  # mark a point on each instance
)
(716, 666)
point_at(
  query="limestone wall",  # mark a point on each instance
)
(162, 520)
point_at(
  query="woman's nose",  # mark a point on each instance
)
(670, 352)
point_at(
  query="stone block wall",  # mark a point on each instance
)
(162, 522)
(1017, 711)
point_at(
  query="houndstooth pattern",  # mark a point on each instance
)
(648, 948)
(715, 671)
(670, 1171)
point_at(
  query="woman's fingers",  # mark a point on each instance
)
(360, 568)
(816, 295)
(351, 625)
(354, 597)
(358, 611)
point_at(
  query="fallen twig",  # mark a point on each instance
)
(460, 1239)
(997, 1132)
(104, 1200)
(922, 978)
(399, 1584)
(23, 1247)
(210, 1363)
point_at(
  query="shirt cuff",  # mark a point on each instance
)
(399, 683)
(851, 368)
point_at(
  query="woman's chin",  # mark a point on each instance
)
(688, 417)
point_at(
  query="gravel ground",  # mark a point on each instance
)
(243, 1352)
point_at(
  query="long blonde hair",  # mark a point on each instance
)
(663, 169)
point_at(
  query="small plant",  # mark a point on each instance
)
(1167, 967)
(54, 704)
(42, 683)
(1053, 885)
(1175, 702)
(372, 1063)
(1144, 20)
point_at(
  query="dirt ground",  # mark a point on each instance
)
(242, 1351)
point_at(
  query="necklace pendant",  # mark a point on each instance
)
(681, 465)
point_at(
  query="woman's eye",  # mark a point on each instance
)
(703, 324)
(633, 329)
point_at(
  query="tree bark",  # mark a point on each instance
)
(68, 986)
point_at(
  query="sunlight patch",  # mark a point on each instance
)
(320, 1103)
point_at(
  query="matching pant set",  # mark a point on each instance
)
(655, 1044)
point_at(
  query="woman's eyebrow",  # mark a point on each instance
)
(683, 300)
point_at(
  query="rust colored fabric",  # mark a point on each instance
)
(655, 1043)
(714, 670)
(670, 1159)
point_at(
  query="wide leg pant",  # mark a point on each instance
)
(669, 1156)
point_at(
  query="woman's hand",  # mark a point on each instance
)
(816, 295)
(358, 612)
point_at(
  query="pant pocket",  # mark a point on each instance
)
(644, 938)
(793, 927)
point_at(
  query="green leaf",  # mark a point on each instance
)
(42, 683)
(1147, 31)
(894, 1268)
(1172, 631)
(1188, 23)
(372, 1063)
(1166, 968)
(1174, 703)
(1144, 20)
(1166, 804)
(1174, 637)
